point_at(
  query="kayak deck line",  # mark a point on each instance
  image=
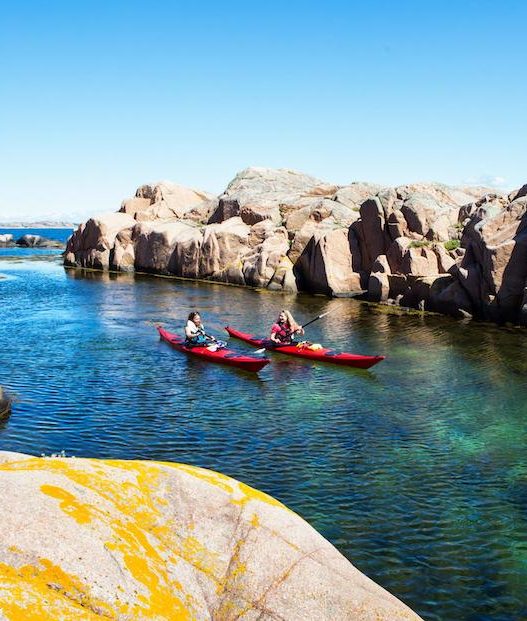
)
(221, 356)
(323, 354)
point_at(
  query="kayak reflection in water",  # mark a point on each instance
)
(285, 328)
(195, 335)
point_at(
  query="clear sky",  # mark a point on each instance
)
(97, 98)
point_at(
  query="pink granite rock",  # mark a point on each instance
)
(275, 228)
(91, 244)
(327, 264)
(87, 539)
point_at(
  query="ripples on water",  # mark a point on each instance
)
(416, 470)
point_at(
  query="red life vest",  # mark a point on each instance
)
(283, 333)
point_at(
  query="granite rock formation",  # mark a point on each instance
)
(92, 539)
(455, 250)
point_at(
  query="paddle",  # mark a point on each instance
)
(261, 351)
(219, 344)
(315, 319)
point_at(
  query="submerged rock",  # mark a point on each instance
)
(5, 405)
(85, 538)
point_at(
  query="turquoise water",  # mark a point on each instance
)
(416, 469)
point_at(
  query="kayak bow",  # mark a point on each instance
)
(222, 356)
(323, 354)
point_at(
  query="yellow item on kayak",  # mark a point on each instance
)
(308, 345)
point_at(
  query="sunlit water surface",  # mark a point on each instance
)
(416, 470)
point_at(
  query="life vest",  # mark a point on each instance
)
(198, 338)
(284, 334)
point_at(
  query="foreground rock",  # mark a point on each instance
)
(96, 539)
(455, 250)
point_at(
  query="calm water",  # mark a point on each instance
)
(416, 470)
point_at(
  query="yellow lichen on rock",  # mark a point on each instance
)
(40, 591)
(69, 504)
(241, 492)
(123, 540)
(130, 515)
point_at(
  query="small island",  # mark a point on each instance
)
(7, 240)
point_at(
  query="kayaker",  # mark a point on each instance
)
(195, 332)
(285, 328)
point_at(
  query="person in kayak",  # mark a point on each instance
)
(195, 332)
(285, 328)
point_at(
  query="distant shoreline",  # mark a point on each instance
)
(37, 225)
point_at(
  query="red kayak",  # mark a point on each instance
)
(304, 351)
(223, 356)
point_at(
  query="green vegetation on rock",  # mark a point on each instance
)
(452, 244)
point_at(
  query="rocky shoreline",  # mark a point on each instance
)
(7, 240)
(459, 251)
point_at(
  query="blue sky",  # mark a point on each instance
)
(97, 98)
